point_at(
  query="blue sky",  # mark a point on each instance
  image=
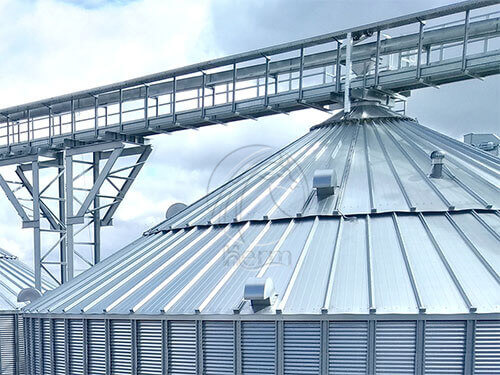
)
(51, 47)
(94, 4)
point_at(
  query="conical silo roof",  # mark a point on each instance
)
(379, 236)
(15, 276)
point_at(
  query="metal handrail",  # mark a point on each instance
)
(23, 124)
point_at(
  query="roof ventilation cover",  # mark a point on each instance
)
(324, 181)
(174, 209)
(28, 295)
(437, 160)
(260, 292)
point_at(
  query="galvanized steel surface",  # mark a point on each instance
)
(11, 344)
(396, 272)
(400, 263)
(383, 165)
(390, 240)
(15, 276)
(381, 346)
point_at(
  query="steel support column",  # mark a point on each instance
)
(37, 258)
(70, 238)
(96, 213)
(62, 218)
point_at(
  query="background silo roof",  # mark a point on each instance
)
(14, 276)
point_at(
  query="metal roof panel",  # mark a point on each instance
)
(390, 239)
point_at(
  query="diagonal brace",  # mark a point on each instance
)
(12, 198)
(126, 186)
(46, 210)
(100, 180)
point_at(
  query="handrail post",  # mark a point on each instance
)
(266, 83)
(51, 125)
(8, 133)
(347, 86)
(301, 73)
(234, 89)
(203, 83)
(146, 104)
(173, 99)
(419, 52)
(377, 58)
(96, 115)
(120, 110)
(338, 67)
(28, 127)
(466, 40)
(73, 119)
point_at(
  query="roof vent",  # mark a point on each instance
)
(260, 292)
(437, 160)
(324, 181)
(174, 210)
(28, 295)
(487, 146)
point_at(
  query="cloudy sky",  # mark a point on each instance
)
(51, 47)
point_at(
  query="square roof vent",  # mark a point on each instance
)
(324, 181)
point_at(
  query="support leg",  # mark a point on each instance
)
(96, 214)
(62, 218)
(69, 215)
(36, 228)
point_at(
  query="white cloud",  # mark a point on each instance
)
(52, 47)
(56, 47)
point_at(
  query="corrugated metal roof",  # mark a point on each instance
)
(14, 276)
(394, 263)
(389, 240)
(382, 165)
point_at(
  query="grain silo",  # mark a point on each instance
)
(369, 245)
(14, 277)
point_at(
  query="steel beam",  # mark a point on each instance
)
(419, 50)
(36, 230)
(70, 247)
(13, 199)
(27, 185)
(93, 148)
(99, 181)
(273, 50)
(83, 99)
(466, 40)
(62, 222)
(146, 151)
(96, 214)
(62, 217)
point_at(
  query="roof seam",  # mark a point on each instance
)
(326, 216)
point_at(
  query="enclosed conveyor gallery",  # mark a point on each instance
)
(369, 245)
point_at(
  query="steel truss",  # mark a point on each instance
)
(380, 62)
(64, 194)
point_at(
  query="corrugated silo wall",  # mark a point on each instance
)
(92, 345)
(11, 344)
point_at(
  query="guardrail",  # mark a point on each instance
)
(381, 50)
